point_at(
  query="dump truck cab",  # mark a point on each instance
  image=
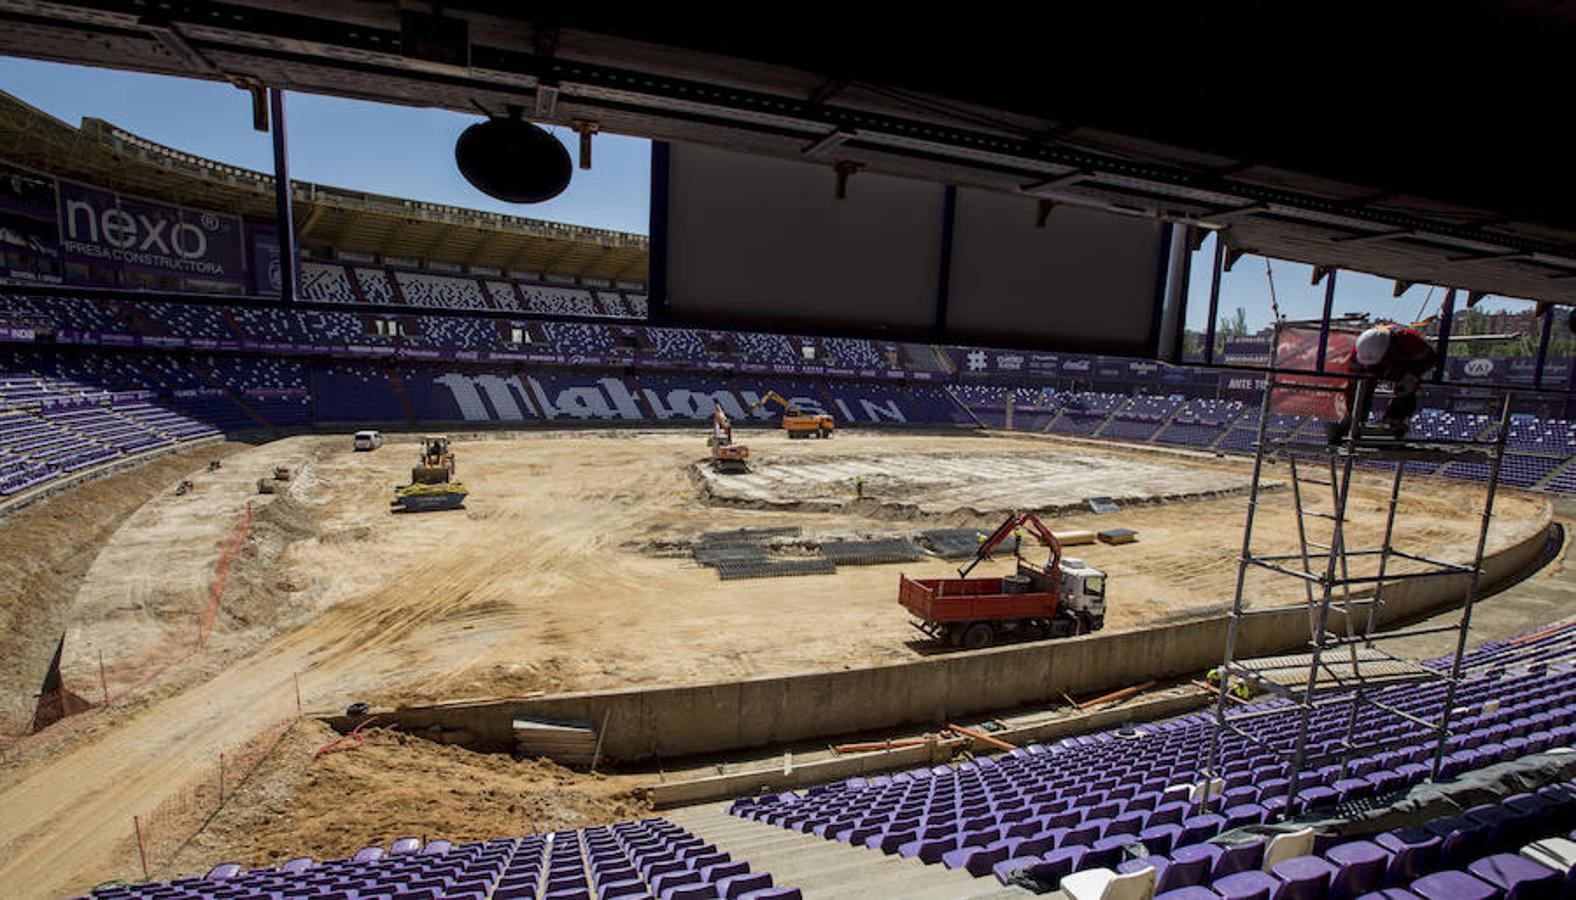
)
(1083, 592)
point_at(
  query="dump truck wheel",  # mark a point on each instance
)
(820, 433)
(978, 635)
(1032, 631)
(1096, 623)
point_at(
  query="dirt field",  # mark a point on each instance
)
(558, 575)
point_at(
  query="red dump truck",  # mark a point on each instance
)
(1062, 598)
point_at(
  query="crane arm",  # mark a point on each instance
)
(1002, 532)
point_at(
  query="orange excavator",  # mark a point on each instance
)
(726, 456)
(797, 422)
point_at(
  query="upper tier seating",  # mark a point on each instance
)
(441, 291)
(559, 301)
(326, 283)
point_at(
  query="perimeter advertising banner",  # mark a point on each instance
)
(104, 230)
(1311, 395)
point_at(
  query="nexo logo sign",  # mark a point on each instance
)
(121, 229)
(1477, 368)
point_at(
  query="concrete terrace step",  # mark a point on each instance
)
(830, 870)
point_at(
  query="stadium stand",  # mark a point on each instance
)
(938, 405)
(502, 294)
(676, 343)
(1086, 412)
(440, 291)
(558, 301)
(645, 858)
(57, 312)
(1033, 409)
(770, 349)
(988, 402)
(852, 352)
(187, 320)
(354, 392)
(325, 282)
(1200, 422)
(578, 338)
(1140, 418)
(1542, 448)
(453, 332)
(375, 285)
(612, 303)
(1048, 813)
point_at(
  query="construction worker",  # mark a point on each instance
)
(1395, 353)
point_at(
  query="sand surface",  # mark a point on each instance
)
(558, 575)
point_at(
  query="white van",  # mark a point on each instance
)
(368, 440)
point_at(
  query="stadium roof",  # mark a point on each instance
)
(1417, 141)
(101, 154)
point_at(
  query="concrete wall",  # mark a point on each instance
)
(677, 721)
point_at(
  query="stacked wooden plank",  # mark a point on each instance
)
(568, 743)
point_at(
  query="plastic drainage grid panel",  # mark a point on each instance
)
(775, 568)
(870, 553)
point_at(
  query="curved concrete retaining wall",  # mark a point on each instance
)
(677, 721)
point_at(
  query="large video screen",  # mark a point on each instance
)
(746, 241)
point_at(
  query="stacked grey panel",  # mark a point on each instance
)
(871, 553)
(712, 554)
(774, 568)
(953, 543)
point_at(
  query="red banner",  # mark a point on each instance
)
(1315, 396)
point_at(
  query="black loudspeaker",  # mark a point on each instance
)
(1570, 319)
(512, 160)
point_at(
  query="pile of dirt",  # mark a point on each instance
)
(393, 786)
(47, 547)
(260, 592)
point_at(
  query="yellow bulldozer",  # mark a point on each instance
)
(797, 422)
(437, 462)
(432, 485)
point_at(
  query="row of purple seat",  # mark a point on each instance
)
(648, 858)
(1082, 803)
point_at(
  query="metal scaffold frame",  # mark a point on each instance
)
(1344, 663)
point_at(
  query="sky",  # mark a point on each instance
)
(402, 151)
(409, 152)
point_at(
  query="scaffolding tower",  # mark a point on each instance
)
(1345, 662)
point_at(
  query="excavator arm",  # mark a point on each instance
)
(788, 407)
(1005, 530)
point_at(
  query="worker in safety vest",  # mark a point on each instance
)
(1395, 353)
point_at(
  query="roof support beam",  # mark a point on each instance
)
(1377, 236)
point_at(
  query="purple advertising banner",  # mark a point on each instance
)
(104, 229)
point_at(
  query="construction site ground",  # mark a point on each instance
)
(564, 572)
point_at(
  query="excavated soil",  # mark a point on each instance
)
(47, 547)
(394, 785)
(545, 582)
